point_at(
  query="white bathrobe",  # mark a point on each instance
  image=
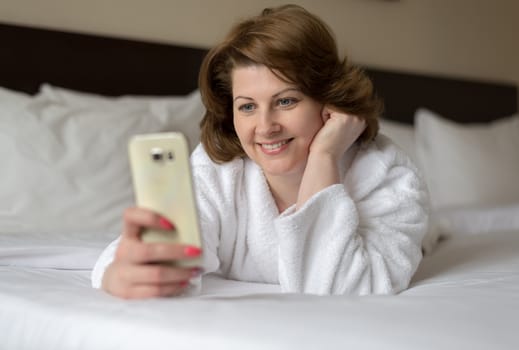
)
(362, 236)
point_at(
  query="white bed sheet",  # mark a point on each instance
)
(464, 296)
(72, 251)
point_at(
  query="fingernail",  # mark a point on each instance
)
(192, 251)
(197, 271)
(165, 224)
(184, 284)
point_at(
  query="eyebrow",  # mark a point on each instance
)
(275, 95)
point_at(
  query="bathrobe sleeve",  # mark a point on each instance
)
(360, 237)
(105, 259)
(209, 222)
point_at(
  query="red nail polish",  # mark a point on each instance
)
(165, 224)
(192, 251)
(184, 283)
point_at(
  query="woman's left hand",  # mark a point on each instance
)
(339, 132)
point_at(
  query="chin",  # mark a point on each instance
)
(284, 165)
(281, 169)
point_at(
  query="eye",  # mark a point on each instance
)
(286, 101)
(247, 107)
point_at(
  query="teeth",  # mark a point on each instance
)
(273, 146)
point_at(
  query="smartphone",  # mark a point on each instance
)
(162, 182)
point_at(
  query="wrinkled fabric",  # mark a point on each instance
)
(362, 236)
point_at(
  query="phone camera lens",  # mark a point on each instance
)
(156, 154)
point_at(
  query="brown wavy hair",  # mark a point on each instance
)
(300, 49)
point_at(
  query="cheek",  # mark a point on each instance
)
(237, 125)
(314, 123)
(241, 130)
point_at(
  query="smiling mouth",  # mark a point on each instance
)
(274, 146)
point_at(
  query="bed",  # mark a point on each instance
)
(68, 103)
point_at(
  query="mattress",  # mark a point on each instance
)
(465, 295)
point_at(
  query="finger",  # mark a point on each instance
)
(325, 113)
(139, 252)
(145, 291)
(158, 274)
(360, 124)
(353, 122)
(135, 218)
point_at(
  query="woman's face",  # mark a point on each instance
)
(275, 122)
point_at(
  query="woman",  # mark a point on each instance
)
(294, 187)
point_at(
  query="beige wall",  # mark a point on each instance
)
(466, 38)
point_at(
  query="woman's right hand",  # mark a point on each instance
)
(136, 271)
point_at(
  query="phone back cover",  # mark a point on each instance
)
(165, 186)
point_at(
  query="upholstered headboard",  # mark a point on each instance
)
(462, 100)
(110, 66)
(114, 66)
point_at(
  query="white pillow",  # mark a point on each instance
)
(163, 106)
(475, 221)
(401, 134)
(87, 99)
(65, 168)
(12, 101)
(468, 166)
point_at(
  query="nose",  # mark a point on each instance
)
(268, 123)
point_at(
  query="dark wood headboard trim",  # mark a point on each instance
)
(113, 66)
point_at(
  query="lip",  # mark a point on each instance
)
(274, 151)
